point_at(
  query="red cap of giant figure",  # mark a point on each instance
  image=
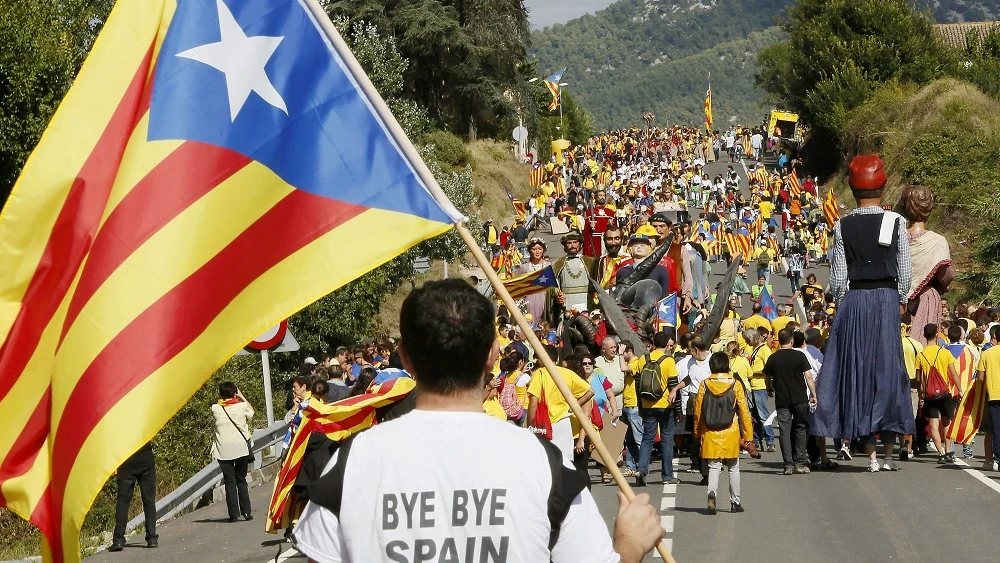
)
(867, 173)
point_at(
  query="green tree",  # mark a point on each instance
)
(465, 56)
(44, 43)
(839, 51)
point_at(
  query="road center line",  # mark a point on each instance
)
(668, 503)
(978, 475)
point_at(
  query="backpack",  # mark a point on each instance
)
(650, 383)
(509, 401)
(718, 412)
(763, 259)
(937, 386)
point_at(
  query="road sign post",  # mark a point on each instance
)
(275, 339)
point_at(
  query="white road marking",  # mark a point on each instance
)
(668, 523)
(670, 547)
(286, 555)
(978, 475)
(670, 489)
(668, 503)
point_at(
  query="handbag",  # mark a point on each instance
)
(249, 441)
(541, 425)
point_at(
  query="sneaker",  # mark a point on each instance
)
(736, 508)
(788, 471)
(942, 459)
(904, 455)
(828, 465)
(640, 479)
(711, 503)
(769, 448)
(117, 546)
(845, 453)
(873, 466)
(890, 465)
(990, 466)
(153, 543)
(840, 455)
(801, 470)
(672, 481)
(967, 452)
(949, 457)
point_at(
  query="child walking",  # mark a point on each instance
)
(722, 424)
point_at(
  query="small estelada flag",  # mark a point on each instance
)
(532, 282)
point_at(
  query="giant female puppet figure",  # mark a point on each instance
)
(932, 267)
(863, 388)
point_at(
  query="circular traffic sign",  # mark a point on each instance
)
(270, 337)
(520, 134)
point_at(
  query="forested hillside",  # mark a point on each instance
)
(654, 55)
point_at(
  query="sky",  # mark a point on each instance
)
(547, 12)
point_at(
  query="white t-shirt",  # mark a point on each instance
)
(697, 371)
(461, 486)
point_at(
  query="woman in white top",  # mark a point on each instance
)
(231, 447)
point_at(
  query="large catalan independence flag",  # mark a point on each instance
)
(210, 159)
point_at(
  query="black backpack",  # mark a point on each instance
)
(650, 383)
(718, 412)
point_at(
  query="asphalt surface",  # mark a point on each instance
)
(924, 512)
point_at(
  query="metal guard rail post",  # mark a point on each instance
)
(206, 479)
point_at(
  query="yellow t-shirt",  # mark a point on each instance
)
(766, 209)
(629, 396)
(989, 364)
(668, 377)
(755, 322)
(493, 408)
(941, 358)
(910, 350)
(757, 358)
(740, 367)
(780, 323)
(542, 384)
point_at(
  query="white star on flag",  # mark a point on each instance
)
(242, 60)
(542, 279)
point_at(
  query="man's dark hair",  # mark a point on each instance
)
(995, 332)
(552, 352)
(227, 390)
(756, 308)
(814, 336)
(798, 339)
(661, 339)
(336, 372)
(954, 333)
(719, 362)
(930, 331)
(447, 329)
(685, 340)
(784, 336)
(320, 388)
(364, 381)
(699, 343)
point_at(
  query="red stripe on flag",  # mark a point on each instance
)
(28, 445)
(175, 320)
(72, 233)
(173, 185)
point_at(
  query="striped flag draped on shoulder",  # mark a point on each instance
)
(174, 209)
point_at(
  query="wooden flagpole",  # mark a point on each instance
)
(408, 150)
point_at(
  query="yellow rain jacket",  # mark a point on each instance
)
(722, 444)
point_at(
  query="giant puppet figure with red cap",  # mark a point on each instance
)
(863, 388)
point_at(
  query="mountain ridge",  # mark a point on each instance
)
(616, 56)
